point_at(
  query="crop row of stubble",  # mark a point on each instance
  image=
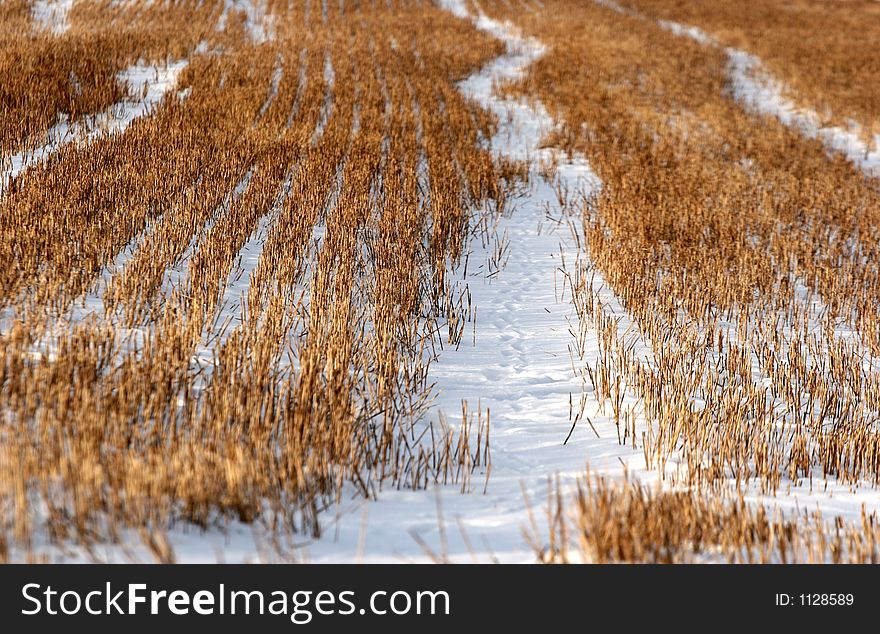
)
(601, 521)
(363, 175)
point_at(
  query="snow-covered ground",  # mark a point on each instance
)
(758, 90)
(755, 87)
(146, 86)
(520, 362)
(518, 365)
(259, 23)
(52, 15)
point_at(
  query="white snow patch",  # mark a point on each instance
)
(757, 89)
(327, 104)
(614, 6)
(274, 85)
(684, 30)
(52, 15)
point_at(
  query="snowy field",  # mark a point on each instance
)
(523, 354)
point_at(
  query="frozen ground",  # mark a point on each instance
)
(258, 22)
(756, 89)
(518, 364)
(146, 86)
(754, 86)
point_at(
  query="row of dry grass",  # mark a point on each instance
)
(600, 521)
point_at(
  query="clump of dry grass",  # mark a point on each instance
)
(606, 522)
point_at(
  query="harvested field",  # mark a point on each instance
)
(354, 281)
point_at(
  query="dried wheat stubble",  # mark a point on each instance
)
(606, 522)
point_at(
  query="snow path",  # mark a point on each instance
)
(516, 363)
(52, 15)
(756, 88)
(327, 105)
(274, 85)
(147, 85)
